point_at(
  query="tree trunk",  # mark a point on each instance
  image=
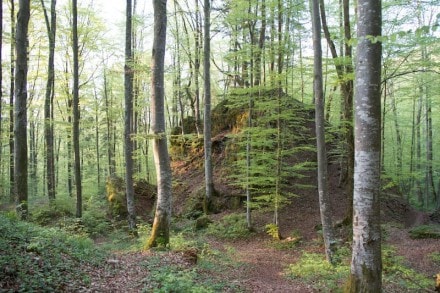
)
(128, 125)
(109, 123)
(48, 101)
(366, 265)
(343, 70)
(20, 110)
(197, 55)
(209, 184)
(324, 197)
(97, 146)
(1, 98)
(76, 114)
(160, 233)
(11, 107)
(399, 151)
(418, 126)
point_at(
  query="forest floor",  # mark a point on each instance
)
(260, 264)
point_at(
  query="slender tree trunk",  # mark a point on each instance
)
(97, 146)
(20, 110)
(399, 152)
(418, 125)
(128, 125)
(209, 183)
(197, 55)
(109, 122)
(48, 102)
(366, 265)
(261, 41)
(1, 99)
(76, 113)
(160, 233)
(11, 107)
(324, 197)
(68, 130)
(344, 70)
(347, 90)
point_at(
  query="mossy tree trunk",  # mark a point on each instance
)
(366, 265)
(160, 234)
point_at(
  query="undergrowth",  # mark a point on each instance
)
(313, 269)
(36, 259)
(232, 226)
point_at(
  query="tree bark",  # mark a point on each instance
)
(48, 101)
(128, 125)
(209, 183)
(20, 110)
(1, 96)
(11, 106)
(366, 265)
(160, 234)
(109, 123)
(324, 198)
(75, 107)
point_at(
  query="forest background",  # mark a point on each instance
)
(280, 53)
(262, 64)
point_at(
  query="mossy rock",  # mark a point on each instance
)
(115, 193)
(195, 204)
(202, 222)
(425, 231)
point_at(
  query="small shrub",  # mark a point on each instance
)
(231, 226)
(425, 231)
(435, 257)
(316, 270)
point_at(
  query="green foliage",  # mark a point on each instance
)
(174, 279)
(273, 231)
(232, 226)
(395, 272)
(265, 143)
(44, 260)
(314, 269)
(435, 257)
(425, 231)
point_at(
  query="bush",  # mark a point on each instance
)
(231, 226)
(316, 270)
(36, 259)
(425, 231)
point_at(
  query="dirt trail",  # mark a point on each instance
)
(262, 267)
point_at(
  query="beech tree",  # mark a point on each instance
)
(48, 101)
(160, 232)
(324, 198)
(75, 110)
(1, 96)
(128, 125)
(366, 264)
(209, 185)
(20, 110)
(11, 105)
